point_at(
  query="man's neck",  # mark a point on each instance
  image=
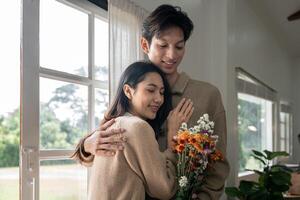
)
(172, 78)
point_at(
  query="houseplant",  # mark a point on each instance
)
(272, 182)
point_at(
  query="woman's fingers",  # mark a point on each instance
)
(189, 114)
(179, 105)
(186, 107)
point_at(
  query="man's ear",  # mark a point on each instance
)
(128, 91)
(145, 45)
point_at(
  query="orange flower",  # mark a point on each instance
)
(192, 154)
(217, 155)
(192, 140)
(179, 148)
(183, 137)
(198, 147)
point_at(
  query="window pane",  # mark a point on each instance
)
(62, 180)
(10, 99)
(63, 38)
(282, 145)
(101, 50)
(101, 104)
(254, 127)
(284, 131)
(63, 114)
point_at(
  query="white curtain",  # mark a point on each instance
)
(125, 23)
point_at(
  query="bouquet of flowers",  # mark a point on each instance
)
(196, 149)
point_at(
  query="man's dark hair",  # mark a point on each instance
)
(164, 17)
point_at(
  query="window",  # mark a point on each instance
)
(285, 129)
(68, 87)
(256, 119)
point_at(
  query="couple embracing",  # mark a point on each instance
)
(131, 154)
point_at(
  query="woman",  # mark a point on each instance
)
(140, 106)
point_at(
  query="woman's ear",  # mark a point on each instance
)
(128, 91)
(145, 45)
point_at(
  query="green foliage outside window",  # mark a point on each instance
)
(54, 133)
(249, 114)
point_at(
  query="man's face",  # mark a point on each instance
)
(166, 51)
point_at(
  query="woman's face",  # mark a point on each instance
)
(166, 51)
(147, 97)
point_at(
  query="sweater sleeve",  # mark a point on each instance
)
(156, 169)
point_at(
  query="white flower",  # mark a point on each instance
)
(192, 130)
(197, 129)
(207, 127)
(183, 126)
(205, 116)
(202, 123)
(212, 124)
(183, 181)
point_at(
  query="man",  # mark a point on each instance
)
(164, 35)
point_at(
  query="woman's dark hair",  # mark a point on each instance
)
(164, 17)
(134, 74)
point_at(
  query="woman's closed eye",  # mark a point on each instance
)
(162, 92)
(151, 90)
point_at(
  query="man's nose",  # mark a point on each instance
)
(172, 53)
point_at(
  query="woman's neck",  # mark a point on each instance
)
(172, 78)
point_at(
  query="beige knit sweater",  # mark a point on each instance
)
(140, 168)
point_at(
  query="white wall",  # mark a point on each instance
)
(296, 109)
(253, 46)
(206, 55)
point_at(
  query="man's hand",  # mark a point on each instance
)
(182, 113)
(105, 142)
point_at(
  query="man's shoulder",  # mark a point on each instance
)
(202, 86)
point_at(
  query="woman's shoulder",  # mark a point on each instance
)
(134, 125)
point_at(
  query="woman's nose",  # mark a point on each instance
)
(159, 98)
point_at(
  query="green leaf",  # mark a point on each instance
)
(268, 153)
(233, 192)
(271, 155)
(276, 196)
(261, 194)
(277, 154)
(276, 168)
(279, 188)
(280, 178)
(262, 179)
(246, 187)
(258, 153)
(258, 158)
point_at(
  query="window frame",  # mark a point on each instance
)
(285, 108)
(248, 84)
(31, 71)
